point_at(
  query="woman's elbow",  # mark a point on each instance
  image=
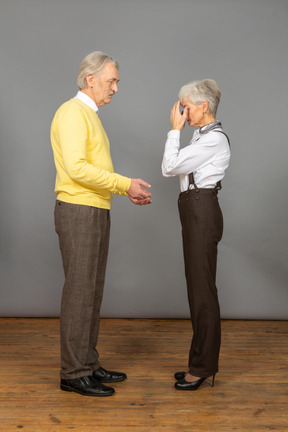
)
(166, 172)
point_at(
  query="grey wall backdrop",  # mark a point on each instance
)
(161, 45)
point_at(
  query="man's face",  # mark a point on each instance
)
(105, 84)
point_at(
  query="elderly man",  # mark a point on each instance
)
(85, 183)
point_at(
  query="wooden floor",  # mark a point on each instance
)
(250, 393)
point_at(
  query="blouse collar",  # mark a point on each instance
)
(209, 127)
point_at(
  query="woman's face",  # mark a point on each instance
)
(196, 116)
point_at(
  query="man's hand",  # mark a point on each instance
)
(177, 118)
(138, 194)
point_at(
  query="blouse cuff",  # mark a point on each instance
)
(175, 133)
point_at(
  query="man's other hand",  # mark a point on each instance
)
(141, 201)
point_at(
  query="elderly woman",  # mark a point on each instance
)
(201, 167)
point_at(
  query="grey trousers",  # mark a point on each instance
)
(202, 228)
(83, 233)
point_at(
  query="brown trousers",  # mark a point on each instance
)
(84, 241)
(202, 228)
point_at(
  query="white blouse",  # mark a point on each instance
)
(207, 156)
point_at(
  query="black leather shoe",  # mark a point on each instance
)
(103, 375)
(194, 385)
(86, 386)
(179, 375)
(185, 385)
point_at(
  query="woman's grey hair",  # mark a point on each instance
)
(93, 64)
(199, 91)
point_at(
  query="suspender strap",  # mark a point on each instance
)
(192, 182)
(225, 135)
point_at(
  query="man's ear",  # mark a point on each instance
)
(90, 80)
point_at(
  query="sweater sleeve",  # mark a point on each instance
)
(73, 137)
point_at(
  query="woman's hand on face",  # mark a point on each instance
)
(177, 118)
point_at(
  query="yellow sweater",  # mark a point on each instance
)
(84, 169)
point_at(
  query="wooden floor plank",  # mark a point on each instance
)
(250, 394)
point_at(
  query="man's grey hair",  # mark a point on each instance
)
(93, 64)
(199, 91)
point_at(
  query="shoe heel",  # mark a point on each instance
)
(62, 387)
(213, 381)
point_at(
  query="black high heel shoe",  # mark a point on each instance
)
(179, 375)
(194, 385)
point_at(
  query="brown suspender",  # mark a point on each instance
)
(225, 135)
